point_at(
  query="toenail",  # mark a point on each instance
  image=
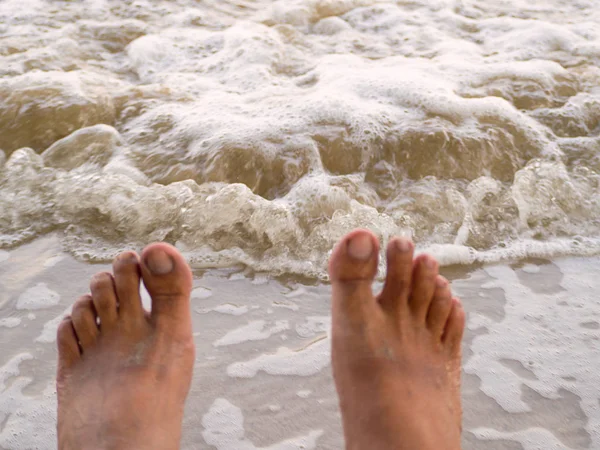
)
(441, 282)
(100, 280)
(403, 245)
(127, 258)
(430, 262)
(360, 247)
(159, 262)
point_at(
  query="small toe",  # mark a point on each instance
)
(455, 327)
(68, 349)
(168, 279)
(352, 268)
(84, 322)
(399, 275)
(127, 275)
(440, 307)
(425, 271)
(105, 299)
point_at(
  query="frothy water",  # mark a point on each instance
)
(259, 132)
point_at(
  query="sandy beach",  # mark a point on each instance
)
(262, 375)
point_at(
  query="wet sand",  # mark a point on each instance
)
(262, 375)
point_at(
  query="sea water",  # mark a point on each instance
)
(259, 132)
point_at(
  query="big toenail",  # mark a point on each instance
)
(360, 247)
(159, 262)
(403, 245)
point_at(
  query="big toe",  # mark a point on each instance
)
(352, 268)
(168, 279)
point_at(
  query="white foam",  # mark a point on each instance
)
(201, 293)
(314, 325)
(304, 393)
(11, 368)
(260, 280)
(259, 136)
(10, 322)
(530, 268)
(224, 429)
(254, 331)
(53, 261)
(477, 321)
(38, 297)
(226, 308)
(18, 411)
(530, 439)
(48, 334)
(286, 305)
(304, 362)
(298, 291)
(542, 332)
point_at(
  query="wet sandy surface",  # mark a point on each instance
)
(262, 375)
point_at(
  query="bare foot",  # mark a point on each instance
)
(396, 357)
(122, 384)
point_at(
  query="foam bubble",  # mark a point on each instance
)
(530, 439)
(304, 393)
(304, 362)
(201, 293)
(18, 411)
(11, 368)
(227, 308)
(531, 268)
(254, 331)
(54, 260)
(314, 325)
(48, 334)
(286, 305)
(10, 322)
(38, 297)
(298, 291)
(224, 429)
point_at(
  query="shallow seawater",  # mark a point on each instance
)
(259, 132)
(262, 377)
